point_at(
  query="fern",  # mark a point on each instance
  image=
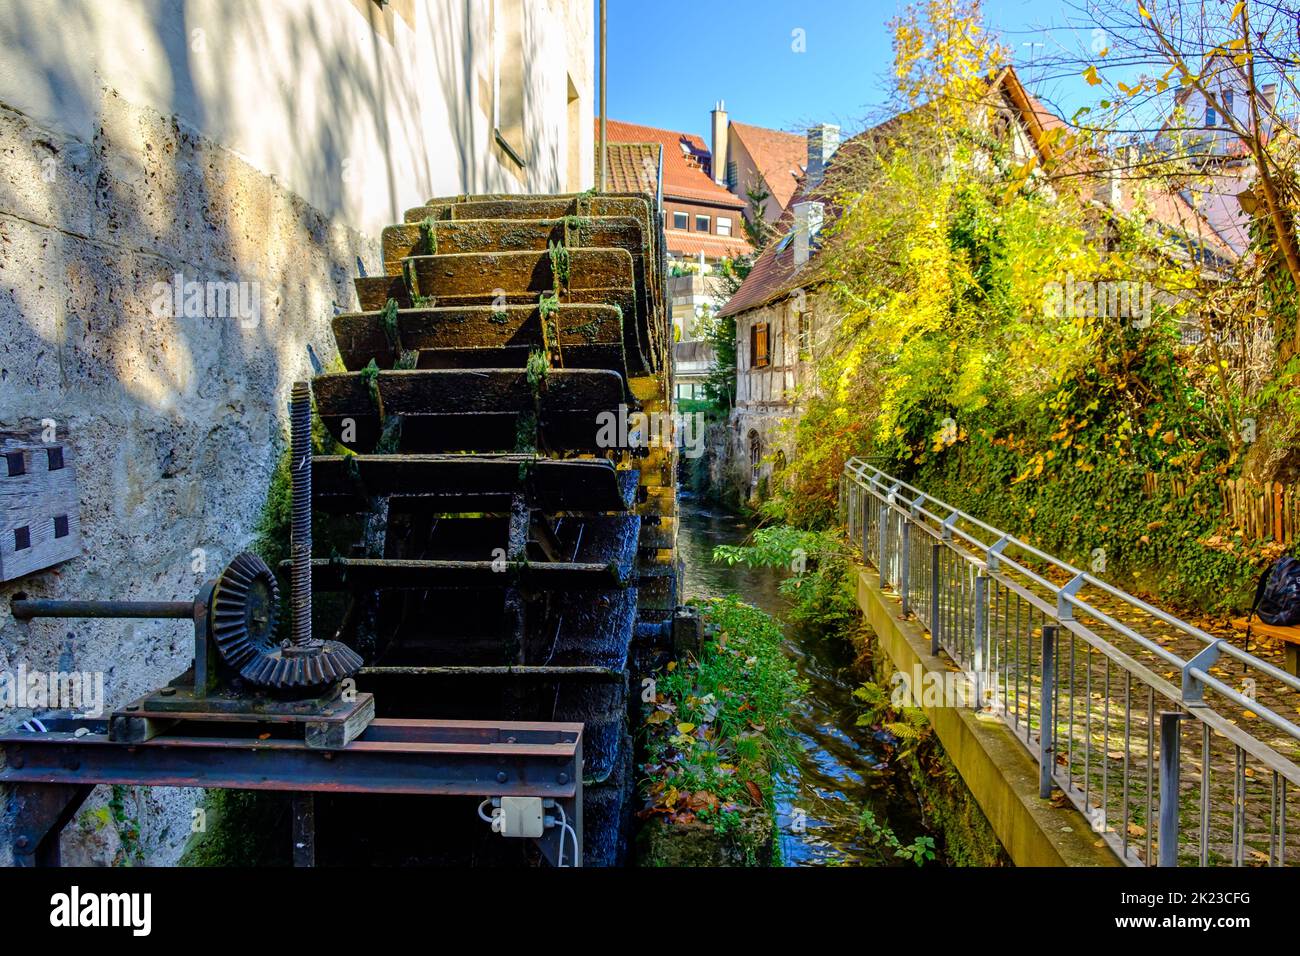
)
(905, 731)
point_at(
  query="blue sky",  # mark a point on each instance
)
(670, 60)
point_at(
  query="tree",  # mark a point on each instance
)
(720, 334)
(757, 229)
(1158, 64)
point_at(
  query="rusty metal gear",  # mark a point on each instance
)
(302, 665)
(244, 605)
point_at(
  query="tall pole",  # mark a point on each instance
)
(602, 184)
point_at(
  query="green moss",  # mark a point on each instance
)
(949, 809)
(271, 534)
(588, 330)
(390, 436)
(526, 433)
(370, 375)
(428, 237)
(745, 839)
(548, 304)
(539, 367)
(577, 230)
(388, 319)
(559, 264)
(242, 828)
(130, 852)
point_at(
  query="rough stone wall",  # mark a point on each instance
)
(175, 423)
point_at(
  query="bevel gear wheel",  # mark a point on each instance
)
(296, 666)
(245, 602)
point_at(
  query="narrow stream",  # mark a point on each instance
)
(844, 768)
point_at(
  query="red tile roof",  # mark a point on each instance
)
(780, 157)
(631, 167)
(686, 162)
(691, 244)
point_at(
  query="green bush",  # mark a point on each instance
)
(719, 728)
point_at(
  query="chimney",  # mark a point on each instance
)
(719, 143)
(823, 140)
(1268, 93)
(1110, 191)
(807, 221)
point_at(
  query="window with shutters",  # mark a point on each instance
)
(758, 353)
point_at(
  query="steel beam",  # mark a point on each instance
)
(445, 758)
(51, 774)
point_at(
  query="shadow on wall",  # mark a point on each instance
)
(176, 422)
(312, 92)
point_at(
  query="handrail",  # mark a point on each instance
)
(964, 595)
(1137, 603)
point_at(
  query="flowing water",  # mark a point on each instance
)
(844, 768)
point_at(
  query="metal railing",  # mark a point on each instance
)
(1131, 712)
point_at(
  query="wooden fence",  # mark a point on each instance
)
(1259, 512)
(1270, 510)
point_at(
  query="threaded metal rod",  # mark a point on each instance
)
(300, 541)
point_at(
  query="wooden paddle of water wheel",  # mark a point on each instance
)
(514, 562)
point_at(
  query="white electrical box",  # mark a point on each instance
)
(522, 817)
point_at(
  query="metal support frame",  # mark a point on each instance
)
(37, 815)
(979, 635)
(995, 551)
(1170, 754)
(304, 829)
(883, 535)
(1047, 707)
(1064, 609)
(904, 565)
(195, 611)
(866, 504)
(51, 774)
(936, 551)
